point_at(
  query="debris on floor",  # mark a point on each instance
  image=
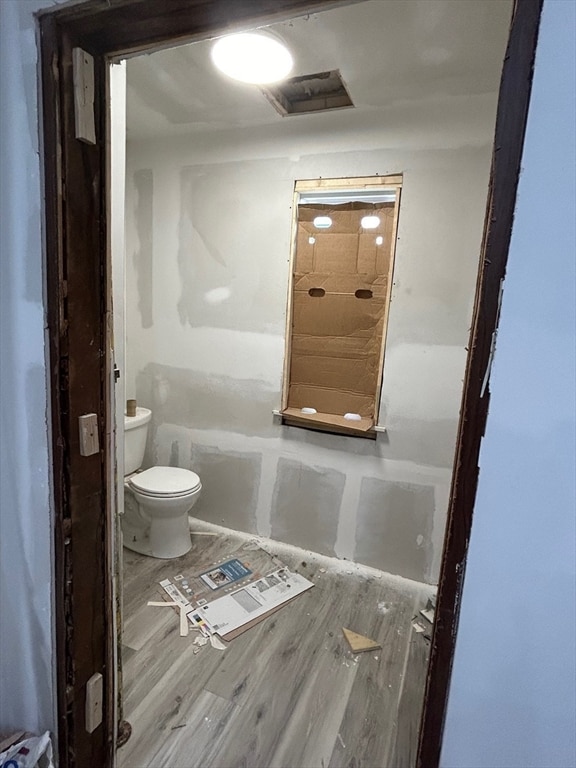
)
(252, 545)
(182, 611)
(359, 643)
(227, 573)
(230, 597)
(428, 612)
(420, 629)
(215, 642)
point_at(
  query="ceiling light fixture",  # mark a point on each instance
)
(252, 57)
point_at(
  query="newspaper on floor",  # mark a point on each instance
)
(226, 573)
(240, 606)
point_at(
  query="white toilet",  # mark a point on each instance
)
(157, 500)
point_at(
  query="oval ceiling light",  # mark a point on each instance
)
(370, 222)
(252, 57)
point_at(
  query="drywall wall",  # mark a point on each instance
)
(512, 697)
(26, 574)
(208, 245)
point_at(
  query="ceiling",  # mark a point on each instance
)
(392, 55)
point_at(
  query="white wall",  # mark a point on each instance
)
(208, 243)
(512, 697)
(26, 573)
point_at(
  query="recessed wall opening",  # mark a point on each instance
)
(344, 243)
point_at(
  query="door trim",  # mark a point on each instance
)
(77, 289)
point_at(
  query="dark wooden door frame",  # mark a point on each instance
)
(78, 287)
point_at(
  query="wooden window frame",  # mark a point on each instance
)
(77, 287)
(331, 185)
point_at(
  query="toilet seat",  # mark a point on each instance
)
(165, 482)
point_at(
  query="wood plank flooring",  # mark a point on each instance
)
(287, 693)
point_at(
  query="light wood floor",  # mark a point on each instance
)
(287, 693)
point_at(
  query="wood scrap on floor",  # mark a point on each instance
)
(359, 643)
(428, 612)
(215, 642)
(182, 610)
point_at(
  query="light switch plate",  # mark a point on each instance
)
(94, 689)
(83, 75)
(88, 426)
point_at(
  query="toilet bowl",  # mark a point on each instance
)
(156, 500)
(164, 495)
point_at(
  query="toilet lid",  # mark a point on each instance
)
(168, 481)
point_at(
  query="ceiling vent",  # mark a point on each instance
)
(309, 93)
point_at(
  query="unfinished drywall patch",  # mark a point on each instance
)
(230, 483)
(144, 249)
(306, 505)
(206, 401)
(202, 266)
(232, 226)
(428, 442)
(172, 441)
(174, 454)
(421, 392)
(394, 526)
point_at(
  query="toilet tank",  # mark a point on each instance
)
(135, 433)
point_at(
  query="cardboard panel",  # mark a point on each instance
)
(346, 218)
(346, 347)
(336, 253)
(343, 221)
(358, 374)
(338, 308)
(367, 251)
(336, 315)
(330, 400)
(304, 250)
(349, 284)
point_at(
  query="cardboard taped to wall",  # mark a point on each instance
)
(339, 303)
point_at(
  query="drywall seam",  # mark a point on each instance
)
(400, 471)
(266, 494)
(346, 533)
